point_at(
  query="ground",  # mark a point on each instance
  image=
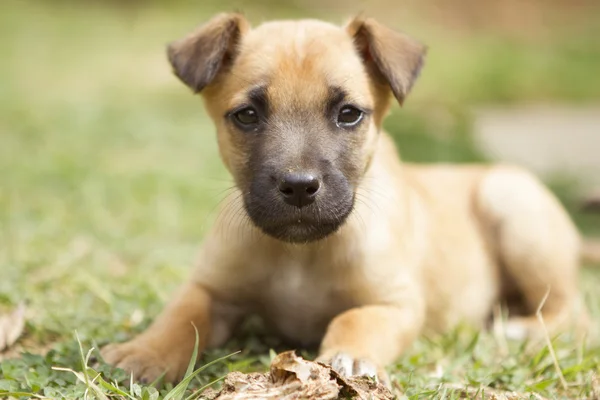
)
(109, 176)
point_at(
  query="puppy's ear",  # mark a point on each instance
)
(389, 55)
(198, 57)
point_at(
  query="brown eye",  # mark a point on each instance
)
(246, 117)
(349, 116)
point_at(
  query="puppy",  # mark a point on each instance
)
(331, 238)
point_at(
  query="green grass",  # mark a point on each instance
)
(109, 176)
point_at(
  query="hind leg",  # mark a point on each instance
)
(538, 247)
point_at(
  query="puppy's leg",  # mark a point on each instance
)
(167, 345)
(538, 247)
(362, 341)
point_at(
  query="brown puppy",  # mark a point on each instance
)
(332, 239)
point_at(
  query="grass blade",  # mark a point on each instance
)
(200, 390)
(179, 390)
(194, 358)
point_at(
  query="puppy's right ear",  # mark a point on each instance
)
(199, 57)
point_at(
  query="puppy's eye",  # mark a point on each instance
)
(246, 117)
(349, 116)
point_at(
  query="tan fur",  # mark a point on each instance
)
(426, 247)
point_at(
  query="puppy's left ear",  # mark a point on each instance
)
(392, 56)
(200, 56)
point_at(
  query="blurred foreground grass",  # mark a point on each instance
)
(109, 175)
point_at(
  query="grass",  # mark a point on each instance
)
(109, 176)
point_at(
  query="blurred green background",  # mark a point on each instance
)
(109, 172)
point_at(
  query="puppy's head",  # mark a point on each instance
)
(298, 106)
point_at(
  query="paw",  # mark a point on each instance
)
(526, 328)
(516, 330)
(348, 366)
(145, 364)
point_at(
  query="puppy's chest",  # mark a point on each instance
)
(300, 300)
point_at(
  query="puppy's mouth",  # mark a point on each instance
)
(301, 230)
(299, 207)
(294, 225)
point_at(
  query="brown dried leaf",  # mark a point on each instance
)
(291, 377)
(11, 327)
(288, 366)
(361, 387)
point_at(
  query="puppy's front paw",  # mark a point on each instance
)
(139, 359)
(515, 329)
(348, 366)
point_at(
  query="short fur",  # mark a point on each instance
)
(387, 250)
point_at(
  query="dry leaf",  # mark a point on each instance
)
(288, 366)
(11, 327)
(292, 377)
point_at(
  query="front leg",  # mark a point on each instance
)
(167, 345)
(363, 340)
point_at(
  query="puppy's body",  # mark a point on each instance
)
(375, 251)
(386, 253)
(434, 243)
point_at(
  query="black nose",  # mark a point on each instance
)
(299, 189)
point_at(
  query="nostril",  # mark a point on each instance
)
(312, 188)
(286, 190)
